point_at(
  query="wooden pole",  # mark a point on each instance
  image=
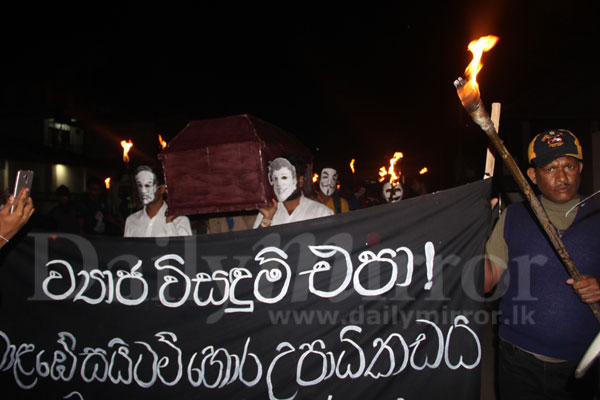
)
(490, 159)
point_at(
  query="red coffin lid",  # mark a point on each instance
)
(219, 165)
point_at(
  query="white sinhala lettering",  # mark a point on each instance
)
(8, 358)
(420, 338)
(97, 276)
(389, 350)
(169, 280)
(461, 322)
(94, 366)
(367, 257)
(217, 276)
(54, 275)
(114, 370)
(134, 274)
(272, 274)
(290, 349)
(361, 355)
(410, 265)
(154, 368)
(169, 338)
(328, 251)
(310, 349)
(236, 275)
(405, 353)
(59, 370)
(19, 369)
(258, 364)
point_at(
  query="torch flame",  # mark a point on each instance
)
(391, 171)
(352, 165)
(470, 90)
(107, 183)
(423, 171)
(382, 174)
(162, 142)
(315, 177)
(126, 147)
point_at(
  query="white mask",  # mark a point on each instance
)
(328, 181)
(392, 194)
(284, 183)
(146, 185)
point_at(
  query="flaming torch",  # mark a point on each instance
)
(423, 171)
(315, 177)
(391, 170)
(107, 183)
(352, 165)
(469, 95)
(126, 145)
(162, 142)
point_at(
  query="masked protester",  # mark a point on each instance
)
(151, 221)
(328, 194)
(545, 325)
(287, 180)
(392, 193)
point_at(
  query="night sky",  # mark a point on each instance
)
(354, 81)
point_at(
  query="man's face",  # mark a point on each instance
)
(146, 185)
(284, 184)
(559, 180)
(392, 194)
(328, 181)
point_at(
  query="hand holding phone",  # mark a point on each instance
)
(24, 180)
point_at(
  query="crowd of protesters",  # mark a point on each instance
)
(142, 210)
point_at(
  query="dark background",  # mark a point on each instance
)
(349, 81)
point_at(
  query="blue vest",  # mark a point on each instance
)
(539, 311)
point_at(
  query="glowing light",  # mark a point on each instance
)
(352, 165)
(470, 90)
(126, 147)
(391, 170)
(107, 183)
(382, 174)
(338, 186)
(315, 177)
(423, 170)
(162, 142)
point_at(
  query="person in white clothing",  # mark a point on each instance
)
(151, 221)
(291, 206)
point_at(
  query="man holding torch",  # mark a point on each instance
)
(546, 324)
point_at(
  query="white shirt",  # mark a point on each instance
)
(307, 209)
(139, 224)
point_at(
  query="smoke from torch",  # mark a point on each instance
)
(126, 147)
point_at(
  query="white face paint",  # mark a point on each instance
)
(328, 181)
(392, 194)
(284, 183)
(146, 186)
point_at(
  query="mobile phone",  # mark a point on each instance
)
(24, 180)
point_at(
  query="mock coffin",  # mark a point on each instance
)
(220, 165)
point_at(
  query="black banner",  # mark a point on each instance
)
(380, 303)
